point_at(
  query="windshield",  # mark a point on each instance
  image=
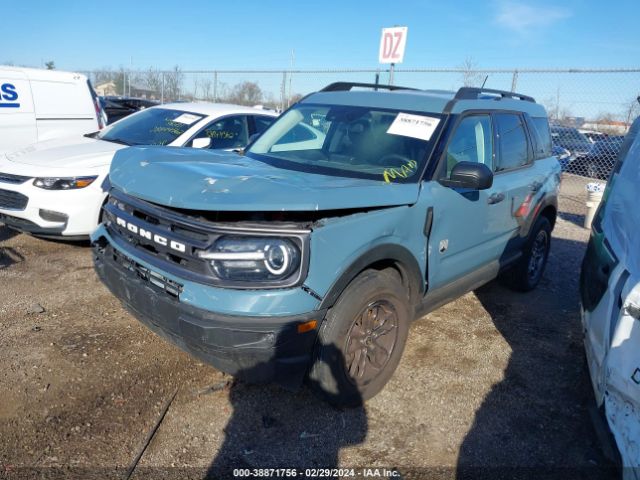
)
(377, 144)
(154, 126)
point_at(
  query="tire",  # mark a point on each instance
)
(527, 272)
(340, 374)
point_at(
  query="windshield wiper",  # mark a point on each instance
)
(116, 140)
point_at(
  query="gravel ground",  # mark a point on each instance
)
(492, 381)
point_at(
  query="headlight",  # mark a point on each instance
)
(62, 183)
(254, 259)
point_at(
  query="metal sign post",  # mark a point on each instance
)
(392, 45)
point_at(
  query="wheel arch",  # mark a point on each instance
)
(379, 258)
(547, 208)
(550, 211)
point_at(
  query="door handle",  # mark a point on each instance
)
(495, 198)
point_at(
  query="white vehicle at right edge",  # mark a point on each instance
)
(610, 297)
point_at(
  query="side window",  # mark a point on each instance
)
(226, 133)
(512, 137)
(543, 137)
(262, 122)
(471, 142)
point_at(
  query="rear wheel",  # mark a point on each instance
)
(362, 339)
(526, 274)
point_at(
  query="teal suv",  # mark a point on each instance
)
(308, 255)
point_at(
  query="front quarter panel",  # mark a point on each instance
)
(339, 243)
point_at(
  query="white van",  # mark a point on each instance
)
(37, 105)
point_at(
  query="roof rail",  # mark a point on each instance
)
(346, 86)
(472, 93)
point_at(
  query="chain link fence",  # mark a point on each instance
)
(590, 110)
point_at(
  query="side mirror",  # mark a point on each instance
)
(203, 142)
(469, 175)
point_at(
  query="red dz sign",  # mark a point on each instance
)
(392, 45)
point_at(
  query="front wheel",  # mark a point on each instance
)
(362, 339)
(526, 274)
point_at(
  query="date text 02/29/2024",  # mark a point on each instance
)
(315, 473)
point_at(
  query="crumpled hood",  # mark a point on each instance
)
(74, 152)
(206, 180)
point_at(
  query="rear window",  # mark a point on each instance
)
(514, 148)
(542, 136)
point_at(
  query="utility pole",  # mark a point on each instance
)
(391, 69)
(283, 91)
(293, 59)
(130, 69)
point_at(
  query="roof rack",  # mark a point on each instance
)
(346, 86)
(473, 93)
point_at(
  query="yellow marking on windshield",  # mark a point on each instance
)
(404, 171)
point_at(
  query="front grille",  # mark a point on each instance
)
(171, 240)
(12, 200)
(122, 213)
(13, 179)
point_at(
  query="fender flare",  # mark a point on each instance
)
(396, 254)
(547, 201)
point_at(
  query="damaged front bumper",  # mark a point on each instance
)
(255, 348)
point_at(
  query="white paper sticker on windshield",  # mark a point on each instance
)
(187, 118)
(414, 126)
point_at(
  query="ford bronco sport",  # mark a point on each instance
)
(361, 208)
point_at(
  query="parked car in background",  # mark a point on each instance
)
(600, 160)
(57, 188)
(592, 135)
(610, 298)
(563, 155)
(349, 217)
(38, 105)
(571, 139)
(120, 107)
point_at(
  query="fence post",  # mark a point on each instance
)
(162, 90)
(514, 80)
(283, 91)
(215, 86)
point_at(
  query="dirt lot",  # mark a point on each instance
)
(494, 380)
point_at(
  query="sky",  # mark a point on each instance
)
(197, 34)
(341, 34)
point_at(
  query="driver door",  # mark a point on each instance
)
(470, 228)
